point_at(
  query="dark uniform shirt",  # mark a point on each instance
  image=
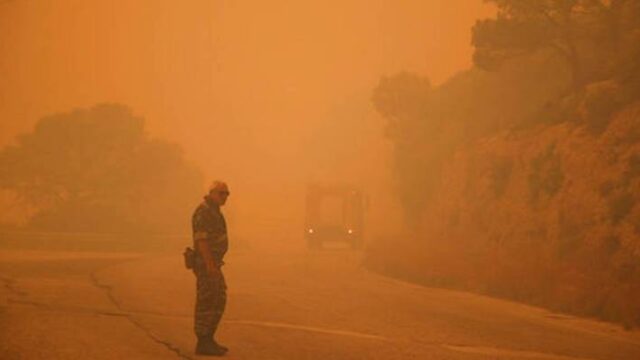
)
(209, 225)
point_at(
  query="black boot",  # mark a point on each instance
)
(224, 348)
(206, 346)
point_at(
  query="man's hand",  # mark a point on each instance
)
(212, 268)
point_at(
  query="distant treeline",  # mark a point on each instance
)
(97, 170)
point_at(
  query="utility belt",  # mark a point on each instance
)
(191, 258)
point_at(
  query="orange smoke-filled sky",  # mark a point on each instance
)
(247, 87)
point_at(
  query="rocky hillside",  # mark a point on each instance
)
(549, 215)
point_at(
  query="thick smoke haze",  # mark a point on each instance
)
(411, 179)
(268, 95)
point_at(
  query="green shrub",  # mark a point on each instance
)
(630, 137)
(611, 244)
(500, 175)
(546, 176)
(570, 236)
(600, 101)
(556, 111)
(620, 206)
(633, 170)
(606, 188)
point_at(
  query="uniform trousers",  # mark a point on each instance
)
(211, 300)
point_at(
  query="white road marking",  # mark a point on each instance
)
(479, 350)
(491, 351)
(309, 329)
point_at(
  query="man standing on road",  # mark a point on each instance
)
(210, 244)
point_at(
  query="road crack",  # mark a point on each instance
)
(10, 286)
(65, 309)
(109, 292)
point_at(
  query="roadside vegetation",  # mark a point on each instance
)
(518, 177)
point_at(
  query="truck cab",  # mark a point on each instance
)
(334, 213)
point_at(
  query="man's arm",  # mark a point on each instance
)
(207, 255)
(206, 229)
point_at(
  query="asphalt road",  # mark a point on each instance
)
(282, 305)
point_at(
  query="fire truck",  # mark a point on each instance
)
(334, 213)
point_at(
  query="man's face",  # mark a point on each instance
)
(219, 194)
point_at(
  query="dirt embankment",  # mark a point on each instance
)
(549, 216)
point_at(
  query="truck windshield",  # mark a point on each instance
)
(331, 212)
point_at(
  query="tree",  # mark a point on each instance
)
(403, 100)
(625, 22)
(580, 31)
(97, 170)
